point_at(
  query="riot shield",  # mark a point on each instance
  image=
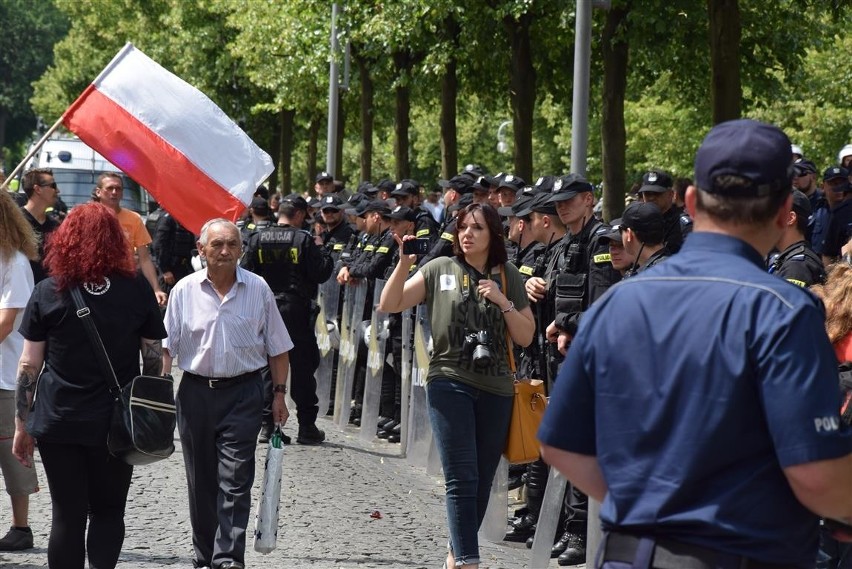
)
(548, 520)
(493, 526)
(327, 332)
(405, 372)
(356, 296)
(375, 366)
(422, 447)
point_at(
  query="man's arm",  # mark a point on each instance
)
(147, 267)
(279, 367)
(582, 470)
(824, 486)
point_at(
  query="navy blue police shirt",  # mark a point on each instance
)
(694, 384)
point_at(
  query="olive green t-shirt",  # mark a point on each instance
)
(456, 311)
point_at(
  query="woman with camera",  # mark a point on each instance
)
(476, 304)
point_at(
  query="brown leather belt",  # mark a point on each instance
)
(222, 382)
(668, 554)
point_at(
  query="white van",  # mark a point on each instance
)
(76, 167)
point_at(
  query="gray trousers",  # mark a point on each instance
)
(218, 430)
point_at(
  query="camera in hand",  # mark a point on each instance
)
(415, 247)
(478, 346)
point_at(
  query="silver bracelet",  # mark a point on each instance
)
(510, 309)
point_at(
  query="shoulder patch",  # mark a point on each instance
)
(422, 233)
(338, 246)
(526, 270)
(370, 248)
(797, 282)
(382, 250)
(601, 229)
(448, 237)
(602, 258)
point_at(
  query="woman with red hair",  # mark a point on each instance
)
(63, 398)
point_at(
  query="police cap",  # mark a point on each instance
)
(402, 213)
(749, 149)
(295, 201)
(566, 187)
(324, 177)
(259, 206)
(656, 181)
(646, 221)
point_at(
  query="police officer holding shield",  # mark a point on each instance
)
(294, 264)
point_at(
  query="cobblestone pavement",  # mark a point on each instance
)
(327, 496)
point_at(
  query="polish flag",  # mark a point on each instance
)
(170, 138)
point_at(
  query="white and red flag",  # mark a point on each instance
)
(169, 137)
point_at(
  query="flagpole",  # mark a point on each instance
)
(30, 154)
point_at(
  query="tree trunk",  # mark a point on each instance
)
(313, 134)
(614, 54)
(449, 95)
(275, 127)
(726, 89)
(366, 119)
(521, 92)
(286, 145)
(402, 120)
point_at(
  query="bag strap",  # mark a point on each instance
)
(85, 316)
(509, 343)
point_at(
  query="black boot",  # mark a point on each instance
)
(522, 528)
(574, 540)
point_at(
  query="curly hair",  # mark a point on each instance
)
(88, 246)
(16, 234)
(836, 293)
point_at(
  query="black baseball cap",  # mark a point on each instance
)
(835, 172)
(514, 183)
(544, 183)
(460, 183)
(801, 204)
(753, 150)
(646, 221)
(324, 177)
(402, 213)
(259, 205)
(406, 188)
(613, 231)
(566, 187)
(803, 166)
(295, 201)
(375, 205)
(656, 181)
(333, 202)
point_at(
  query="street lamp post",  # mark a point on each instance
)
(502, 146)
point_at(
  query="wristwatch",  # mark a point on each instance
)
(280, 388)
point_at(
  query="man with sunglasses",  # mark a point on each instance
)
(41, 191)
(805, 180)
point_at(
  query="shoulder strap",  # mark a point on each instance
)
(509, 344)
(85, 316)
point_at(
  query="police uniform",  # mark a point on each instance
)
(294, 267)
(798, 264)
(692, 431)
(839, 228)
(172, 247)
(678, 225)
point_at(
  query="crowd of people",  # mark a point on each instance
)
(514, 276)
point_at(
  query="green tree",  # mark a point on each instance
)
(30, 29)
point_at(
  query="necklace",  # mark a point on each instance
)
(97, 289)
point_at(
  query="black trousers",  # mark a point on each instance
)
(218, 432)
(304, 361)
(86, 485)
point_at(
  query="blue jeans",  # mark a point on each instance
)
(469, 427)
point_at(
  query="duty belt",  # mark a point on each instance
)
(668, 554)
(223, 382)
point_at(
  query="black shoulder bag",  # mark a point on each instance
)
(143, 414)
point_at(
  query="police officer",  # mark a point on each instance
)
(805, 180)
(407, 194)
(259, 218)
(797, 262)
(686, 404)
(642, 233)
(294, 265)
(338, 230)
(657, 188)
(836, 182)
(172, 250)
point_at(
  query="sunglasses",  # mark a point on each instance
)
(50, 185)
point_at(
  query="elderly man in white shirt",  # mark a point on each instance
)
(223, 328)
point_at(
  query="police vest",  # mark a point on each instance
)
(280, 252)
